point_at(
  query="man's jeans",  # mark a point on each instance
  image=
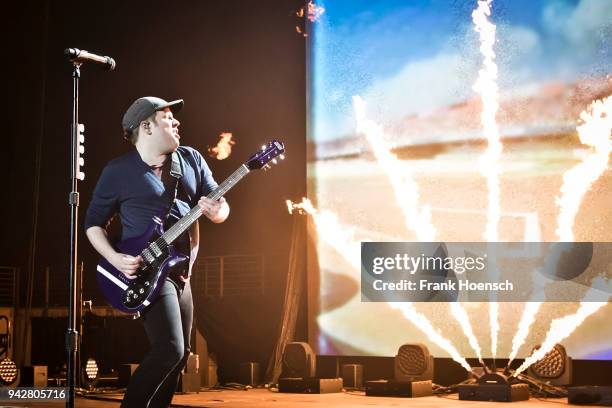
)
(167, 323)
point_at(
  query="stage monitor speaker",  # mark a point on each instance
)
(495, 387)
(299, 361)
(495, 392)
(413, 363)
(310, 385)
(590, 395)
(125, 374)
(393, 388)
(554, 368)
(33, 376)
(352, 375)
(249, 373)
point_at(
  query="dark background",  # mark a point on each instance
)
(239, 66)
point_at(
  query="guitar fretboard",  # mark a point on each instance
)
(184, 223)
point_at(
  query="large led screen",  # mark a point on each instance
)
(445, 120)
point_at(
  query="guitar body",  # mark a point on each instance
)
(134, 295)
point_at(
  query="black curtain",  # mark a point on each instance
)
(240, 66)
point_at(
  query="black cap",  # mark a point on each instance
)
(144, 107)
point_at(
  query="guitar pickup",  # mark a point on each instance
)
(155, 248)
(147, 256)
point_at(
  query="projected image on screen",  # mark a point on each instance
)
(445, 120)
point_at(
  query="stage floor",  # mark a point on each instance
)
(256, 398)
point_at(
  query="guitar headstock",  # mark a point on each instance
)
(267, 154)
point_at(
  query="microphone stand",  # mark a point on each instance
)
(72, 335)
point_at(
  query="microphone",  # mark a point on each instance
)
(76, 55)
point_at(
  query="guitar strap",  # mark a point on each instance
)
(176, 168)
(176, 171)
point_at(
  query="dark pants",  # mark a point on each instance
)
(167, 323)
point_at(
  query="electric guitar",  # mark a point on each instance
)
(156, 249)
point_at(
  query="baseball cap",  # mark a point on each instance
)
(144, 107)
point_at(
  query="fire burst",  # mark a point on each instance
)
(312, 12)
(343, 241)
(417, 219)
(486, 86)
(329, 229)
(527, 319)
(560, 329)
(461, 315)
(223, 148)
(595, 133)
(405, 188)
(420, 321)
(494, 322)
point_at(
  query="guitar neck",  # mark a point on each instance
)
(192, 216)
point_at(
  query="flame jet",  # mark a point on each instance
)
(462, 317)
(595, 133)
(404, 186)
(563, 327)
(223, 148)
(341, 239)
(486, 86)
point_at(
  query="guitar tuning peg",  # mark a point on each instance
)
(263, 147)
(282, 157)
(266, 167)
(274, 161)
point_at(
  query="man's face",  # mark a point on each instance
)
(165, 133)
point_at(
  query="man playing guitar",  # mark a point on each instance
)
(157, 178)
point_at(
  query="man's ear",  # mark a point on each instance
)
(146, 126)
